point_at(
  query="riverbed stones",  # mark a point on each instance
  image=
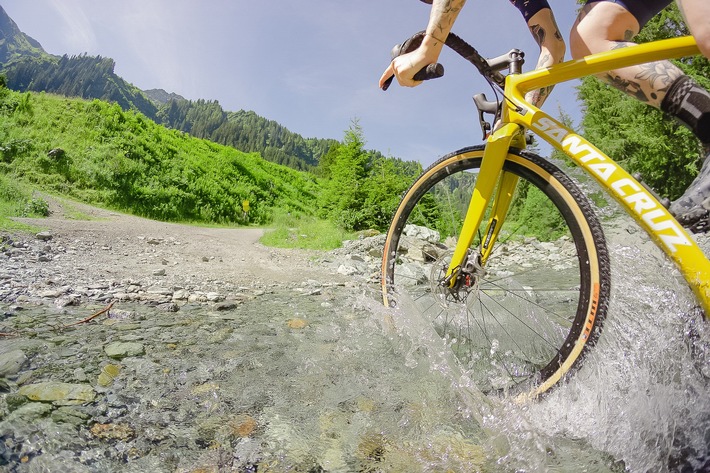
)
(297, 323)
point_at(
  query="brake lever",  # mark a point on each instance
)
(486, 106)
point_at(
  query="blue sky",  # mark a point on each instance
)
(312, 66)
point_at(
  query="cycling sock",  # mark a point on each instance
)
(689, 102)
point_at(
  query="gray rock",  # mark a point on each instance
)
(422, 233)
(124, 349)
(59, 393)
(44, 236)
(11, 362)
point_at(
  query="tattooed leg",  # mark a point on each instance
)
(602, 26)
(646, 82)
(544, 29)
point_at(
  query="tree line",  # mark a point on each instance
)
(93, 77)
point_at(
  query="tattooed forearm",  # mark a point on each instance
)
(546, 34)
(544, 61)
(443, 14)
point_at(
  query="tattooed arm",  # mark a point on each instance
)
(441, 19)
(603, 26)
(547, 35)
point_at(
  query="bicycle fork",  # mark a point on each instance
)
(490, 178)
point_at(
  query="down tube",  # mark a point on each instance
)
(639, 203)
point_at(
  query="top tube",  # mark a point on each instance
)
(604, 61)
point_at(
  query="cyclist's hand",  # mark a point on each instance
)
(405, 66)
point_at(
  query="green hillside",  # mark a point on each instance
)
(28, 68)
(98, 153)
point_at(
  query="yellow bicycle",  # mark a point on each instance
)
(520, 311)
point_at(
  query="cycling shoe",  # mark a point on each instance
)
(696, 220)
(692, 209)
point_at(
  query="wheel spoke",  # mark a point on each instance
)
(513, 322)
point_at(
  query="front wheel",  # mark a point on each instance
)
(522, 317)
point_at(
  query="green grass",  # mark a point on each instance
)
(18, 200)
(298, 231)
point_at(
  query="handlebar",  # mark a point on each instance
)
(432, 71)
(489, 68)
(512, 61)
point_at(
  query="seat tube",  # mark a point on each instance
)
(493, 158)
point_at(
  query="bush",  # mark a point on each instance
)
(36, 207)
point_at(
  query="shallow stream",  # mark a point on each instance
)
(327, 379)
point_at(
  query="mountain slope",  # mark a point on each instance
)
(14, 43)
(27, 67)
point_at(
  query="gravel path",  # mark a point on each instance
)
(108, 256)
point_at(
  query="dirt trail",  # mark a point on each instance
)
(121, 246)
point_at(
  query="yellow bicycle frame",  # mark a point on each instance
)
(519, 115)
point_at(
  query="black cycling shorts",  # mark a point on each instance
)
(529, 7)
(642, 10)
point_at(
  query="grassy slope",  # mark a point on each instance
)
(122, 160)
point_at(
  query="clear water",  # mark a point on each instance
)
(330, 380)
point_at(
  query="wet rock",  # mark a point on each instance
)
(108, 374)
(223, 306)
(112, 431)
(169, 307)
(58, 393)
(296, 323)
(121, 314)
(124, 349)
(14, 401)
(243, 425)
(69, 415)
(11, 362)
(30, 411)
